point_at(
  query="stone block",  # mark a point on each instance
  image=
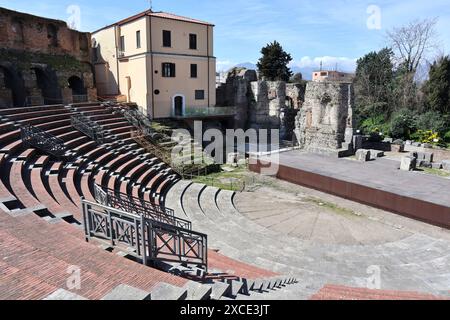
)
(436, 165)
(424, 164)
(408, 163)
(446, 165)
(62, 294)
(363, 155)
(165, 291)
(374, 154)
(427, 156)
(126, 292)
(197, 291)
(220, 289)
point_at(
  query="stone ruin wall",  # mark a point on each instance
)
(324, 123)
(38, 56)
(261, 104)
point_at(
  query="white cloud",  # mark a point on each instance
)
(342, 63)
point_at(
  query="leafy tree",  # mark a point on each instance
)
(273, 65)
(437, 88)
(405, 91)
(373, 84)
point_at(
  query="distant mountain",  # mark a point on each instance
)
(306, 72)
(247, 65)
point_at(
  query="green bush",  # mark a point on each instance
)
(403, 123)
(432, 120)
(376, 124)
(426, 136)
(447, 137)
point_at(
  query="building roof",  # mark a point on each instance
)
(159, 14)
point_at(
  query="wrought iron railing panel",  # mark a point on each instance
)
(42, 140)
(151, 240)
(88, 127)
(137, 206)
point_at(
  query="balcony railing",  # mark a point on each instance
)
(200, 112)
(149, 240)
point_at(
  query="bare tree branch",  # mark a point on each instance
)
(414, 42)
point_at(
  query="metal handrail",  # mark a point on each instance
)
(135, 205)
(88, 127)
(42, 140)
(150, 240)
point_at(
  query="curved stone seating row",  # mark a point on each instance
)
(49, 191)
(240, 238)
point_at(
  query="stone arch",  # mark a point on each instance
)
(13, 81)
(77, 85)
(47, 82)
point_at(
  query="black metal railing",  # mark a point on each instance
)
(42, 140)
(151, 241)
(88, 127)
(137, 206)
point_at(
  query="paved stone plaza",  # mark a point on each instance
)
(381, 174)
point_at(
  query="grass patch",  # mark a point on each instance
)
(227, 180)
(436, 172)
(333, 207)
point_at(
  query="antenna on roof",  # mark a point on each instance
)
(321, 65)
(150, 4)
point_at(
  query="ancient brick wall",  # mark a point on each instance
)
(42, 61)
(26, 32)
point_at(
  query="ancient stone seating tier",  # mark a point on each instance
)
(41, 216)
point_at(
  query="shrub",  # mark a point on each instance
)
(376, 125)
(428, 136)
(432, 120)
(447, 137)
(403, 123)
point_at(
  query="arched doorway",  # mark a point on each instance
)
(14, 82)
(47, 81)
(77, 86)
(79, 92)
(178, 105)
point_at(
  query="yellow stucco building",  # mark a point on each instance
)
(163, 62)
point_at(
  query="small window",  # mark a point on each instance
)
(193, 41)
(199, 94)
(168, 70)
(138, 39)
(193, 71)
(167, 38)
(122, 44)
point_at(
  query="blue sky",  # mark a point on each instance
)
(332, 31)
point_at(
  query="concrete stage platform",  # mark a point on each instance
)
(378, 183)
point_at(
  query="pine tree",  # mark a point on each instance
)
(273, 65)
(437, 88)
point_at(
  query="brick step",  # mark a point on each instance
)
(335, 292)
